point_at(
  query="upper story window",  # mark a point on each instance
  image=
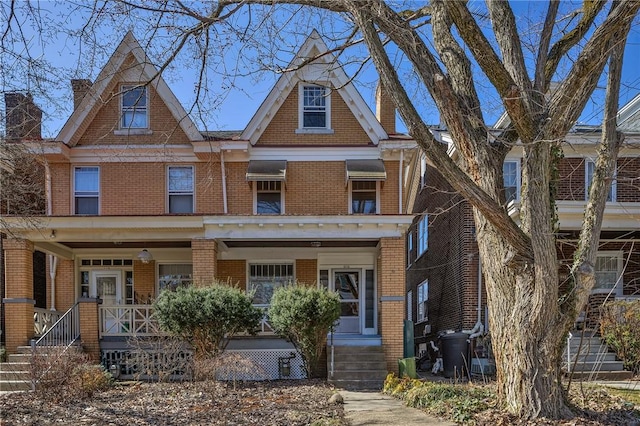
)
(590, 167)
(364, 197)
(180, 189)
(423, 171)
(315, 109)
(608, 272)
(409, 247)
(172, 276)
(423, 234)
(86, 190)
(264, 279)
(268, 197)
(511, 177)
(134, 108)
(422, 299)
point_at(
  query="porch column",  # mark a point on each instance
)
(391, 296)
(204, 254)
(18, 301)
(89, 326)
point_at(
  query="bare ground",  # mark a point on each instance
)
(197, 403)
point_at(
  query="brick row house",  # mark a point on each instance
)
(139, 200)
(444, 271)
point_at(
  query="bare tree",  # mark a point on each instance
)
(452, 51)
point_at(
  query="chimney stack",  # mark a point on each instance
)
(23, 118)
(80, 88)
(385, 110)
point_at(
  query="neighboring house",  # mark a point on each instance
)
(444, 271)
(140, 200)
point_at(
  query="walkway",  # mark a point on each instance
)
(374, 408)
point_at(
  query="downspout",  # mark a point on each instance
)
(479, 288)
(53, 265)
(224, 182)
(400, 174)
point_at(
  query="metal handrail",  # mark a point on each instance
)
(64, 332)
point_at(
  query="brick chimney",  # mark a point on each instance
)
(23, 118)
(385, 110)
(80, 88)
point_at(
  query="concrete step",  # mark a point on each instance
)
(14, 375)
(15, 366)
(366, 364)
(598, 366)
(21, 358)
(359, 374)
(346, 350)
(15, 385)
(602, 375)
(24, 350)
(359, 384)
(592, 357)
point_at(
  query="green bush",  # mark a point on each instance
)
(305, 315)
(206, 316)
(620, 328)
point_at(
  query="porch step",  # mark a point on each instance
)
(357, 367)
(14, 385)
(15, 376)
(587, 357)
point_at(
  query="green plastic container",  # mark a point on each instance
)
(407, 367)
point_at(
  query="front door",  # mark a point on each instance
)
(108, 287)
(347, 285)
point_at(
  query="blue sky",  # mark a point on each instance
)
(230, 102)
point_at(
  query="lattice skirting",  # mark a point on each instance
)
(256, 364)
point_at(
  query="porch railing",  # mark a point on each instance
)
(43, 320)
(64, 332)
(128, 320)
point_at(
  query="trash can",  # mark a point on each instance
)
(455, 355)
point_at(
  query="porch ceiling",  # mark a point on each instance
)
(125, 244)
(299, 243)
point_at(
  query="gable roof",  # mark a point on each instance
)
(323, 69)
(85, 112)
(629, 116)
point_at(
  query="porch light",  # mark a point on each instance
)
(144, 256)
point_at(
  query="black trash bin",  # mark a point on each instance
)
(455, 354)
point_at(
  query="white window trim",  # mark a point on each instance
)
(255, 197)
(618, 290)
(518, 178)
(423, 240)
(587, 184)
(409, 247)
(313, 130)
(158, 264)
(249, 263)
(193, 187)
(423, 172)
(350, 189)
(73, 185)
(122, 130)
(425, 317)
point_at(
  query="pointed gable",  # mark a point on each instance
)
(629, 116)
(128, 65)
(341, 112)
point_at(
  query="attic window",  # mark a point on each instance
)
(134, 108)
(315, 109)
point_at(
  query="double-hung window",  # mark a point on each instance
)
(608, 273)
(315, 108)
(364, 195)
(180, 189)
(590, 167)
(269, 197)
(86, 190)
(134, 108)
(511, 177)
(422, 299)
(423, 234)
(174, 275)
(264, 279)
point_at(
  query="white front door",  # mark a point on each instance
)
(348, 286)
(107, 285)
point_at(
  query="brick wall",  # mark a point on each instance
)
(65, 282)
(89, 328)
(391, 285)
(233, 272)
(204, 256)
(307, 271)
(144, 281)
(281, 129)
(18, 305)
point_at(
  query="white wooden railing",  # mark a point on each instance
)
(264, 326)
(43, 319)
(128, 320)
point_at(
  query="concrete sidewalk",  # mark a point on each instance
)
(374, 408)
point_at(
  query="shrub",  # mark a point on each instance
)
(620, 328)
(305, 315)
(206, 316)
